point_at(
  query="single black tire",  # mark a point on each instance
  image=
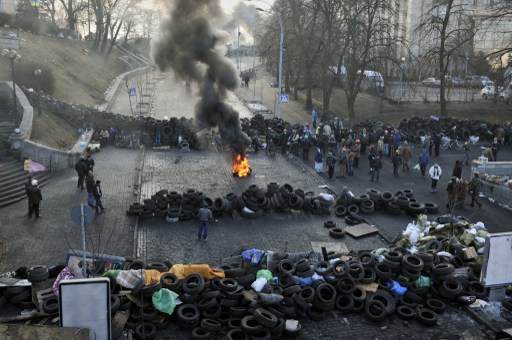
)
(236, 334)
(193, 284)
(345, 303)
(289, 291)
(367, 259)
(145, 330)
(383, 271)
(115, 303)
(51, 305)
(340, 211)
(477, 289)
(431, 207)
(188, 312)
(250, 325)
(137, 265)
(228, 285)
(322, 268)
(443, 269)
(211, 325)
(302, 265)
(308, 294)
(369, 275)
(375, 310)
(37, 274)
(329, 224)
(340, 268)
(170, 281)
(405, 312)
(393, 256)
(199, 333)
(436, 305)
(149, 290)
(337, 233)
(286, 266)
(345, 285)
(427, 317)
(265, 318)
(434, 245)
(235, 272)
(386, 298)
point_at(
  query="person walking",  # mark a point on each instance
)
(474, 189)
(351, 157)
(97, 196)
(331, 161)
(457, 170)
(375, 168)
(89, 185)
(423, 161)
(435, 172)
(465, 160)
(495, 147)
(34, 199)
(81, 170)
(314, 116)
(357, 152)
(437, 144)
(319, 164)
(397, 160)
(205, 215)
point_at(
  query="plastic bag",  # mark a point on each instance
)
(253, 256)
(417, 167)
(266, 274)
(164, 300)
(259, 284)
(397, 288)
(423, 281)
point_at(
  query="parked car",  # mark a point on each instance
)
(480, 81)
(257, 107)
(498, 93)
(456, 82)
(432, 82)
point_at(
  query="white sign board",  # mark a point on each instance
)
(86, 303)
(497, 267)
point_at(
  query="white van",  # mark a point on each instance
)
(372, 80)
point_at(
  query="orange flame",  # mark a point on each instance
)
(241, 165)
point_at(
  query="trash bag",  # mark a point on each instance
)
(259, 284)
(423, 281)
(252, 256)
(397, 288)
(164, 300)
(265, 274)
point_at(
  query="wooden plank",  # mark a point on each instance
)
(30, 332)
(360, 230)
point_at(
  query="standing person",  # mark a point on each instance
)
(423, 161)
(451, 194)
(306, 145)
(387, 143)
(435, 172)
(474, 189)
(357, 152)
(81, 170)
(397, 160)
(495, 147)
(331, 161)
(319, 164)
(376, 165)
(508, 132)
(158, 133)
(427, 143)
(314, 116)
(284, 141)
(205, 215)
(89, 185)
(343, 161)
(351, 157)
(89, 162)
(466, 153)
(34, 199)
(28, 184)
(406, 153)
(97, 196)
(457, 170)
(437, 144)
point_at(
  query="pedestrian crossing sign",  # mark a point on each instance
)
(132, 92)
(284, 98)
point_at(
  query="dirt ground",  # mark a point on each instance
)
(50, 130)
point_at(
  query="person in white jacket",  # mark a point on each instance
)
(435, 173)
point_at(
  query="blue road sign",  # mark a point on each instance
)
(285, 98)
(132, 92)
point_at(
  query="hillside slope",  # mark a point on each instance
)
(80, 78)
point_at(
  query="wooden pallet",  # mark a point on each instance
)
(43, 295)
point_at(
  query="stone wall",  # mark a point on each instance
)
(500, 193)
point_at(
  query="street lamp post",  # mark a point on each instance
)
(281, 41)
(401, 79)
(37, 73)
(13, 56)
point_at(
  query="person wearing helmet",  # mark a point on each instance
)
(34, 198)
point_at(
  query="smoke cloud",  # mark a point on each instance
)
(188, 45)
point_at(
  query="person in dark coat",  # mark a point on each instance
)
(437, 144)
(89, 162)
(89, 185)
(376, 165)
(457, 170)
(284, 141)
(81, 170)
(474, 189)
(331, 161)
(97, 196)
(397, 160)
(34, 198)
(28, 184)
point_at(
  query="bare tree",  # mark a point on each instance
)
(445, 31)
(73, 8)
(49, 7)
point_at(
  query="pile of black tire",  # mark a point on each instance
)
(353, 209)
(172, 128)
(416, 127)
(252, 204)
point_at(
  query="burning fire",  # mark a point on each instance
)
(240, 165)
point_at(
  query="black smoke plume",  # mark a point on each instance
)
(188, 45)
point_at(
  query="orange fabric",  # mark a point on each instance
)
(152, 276)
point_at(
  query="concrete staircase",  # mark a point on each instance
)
(12, 181)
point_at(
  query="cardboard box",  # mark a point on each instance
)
(469, 253)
